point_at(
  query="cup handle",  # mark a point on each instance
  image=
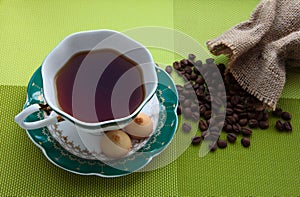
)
(49, 120)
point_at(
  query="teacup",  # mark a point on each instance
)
(91, 43)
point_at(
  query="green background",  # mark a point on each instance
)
(31, 29)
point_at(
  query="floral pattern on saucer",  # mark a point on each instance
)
(71, 143)
(168, 120)
(79, 143)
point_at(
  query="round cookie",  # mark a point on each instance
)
(115, 144)
(141, 126)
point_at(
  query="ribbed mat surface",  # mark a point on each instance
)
(30, 30)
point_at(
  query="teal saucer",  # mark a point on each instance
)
(55, 153)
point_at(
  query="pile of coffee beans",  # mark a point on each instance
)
(243, 112)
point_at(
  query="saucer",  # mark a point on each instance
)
(67, 159)
(87, 146)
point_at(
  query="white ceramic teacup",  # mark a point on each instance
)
(87, 41)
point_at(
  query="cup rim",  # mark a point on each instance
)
(118, 123)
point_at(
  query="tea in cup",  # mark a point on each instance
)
(96, 80)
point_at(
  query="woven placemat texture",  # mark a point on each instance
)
(29, 31)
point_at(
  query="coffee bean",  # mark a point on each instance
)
(222, 143)
(204, 134)
(187, 112)
(214, 129)
(198, 63)
(229, 105)
(202, 109)
(178, 111)
(213, 146)
(259, 107)
(277, 112)
(222, 95)
(219, 118)
(191, 56)
(210, 121)
(186, 127)
(212, 136)
(208, 98)
(286, 116)
(200, 80)
(208, 107)
(190, 63)
(207, 115)
(287, 126)
(196, 140)
(229, 111)
(202, 87)
(236, 129)
(250, 108)
(236, 88)
(195, 116)
(236, 117)
(246, 131)
(188, 70)
(186, 93)
(235, 100)
(265, 116)
(202, 125)
(259, 116)
(220, 124)
(196, 70)
(230, 120)
(239, 108)
(191, 93)
(243, 122)
(200, 102)
(210, 61)
(251, 115)
(243, 115)
(196, 86)
(187, 103)
(228, 128)
(194, 107)
(231, 137)
(194, 76)
(253, 123)
(181, 98)
(169, 69)
(245, 142)
(279, 125)
(179, 88)
(184, 63)
(176, 65)
(263, 124)
(200, 94)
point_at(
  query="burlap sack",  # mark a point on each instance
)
(260, 48)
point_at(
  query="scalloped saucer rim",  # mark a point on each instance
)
(69, 162)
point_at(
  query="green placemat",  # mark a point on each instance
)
(29, 31)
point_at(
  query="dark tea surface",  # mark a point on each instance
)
(101, 85)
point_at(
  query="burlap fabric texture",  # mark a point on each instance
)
(259, 49)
